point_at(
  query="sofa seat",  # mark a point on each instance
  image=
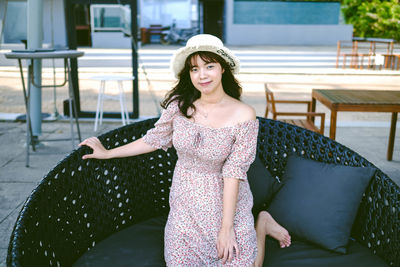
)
(142, 245)
(301, 254)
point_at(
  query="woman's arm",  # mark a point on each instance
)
(226, 238)
(160, 136)
(132, 149)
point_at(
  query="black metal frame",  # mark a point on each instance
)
(72, 44)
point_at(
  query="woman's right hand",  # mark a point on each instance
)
(99, 152)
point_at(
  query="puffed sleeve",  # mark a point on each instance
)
(161, 135)
(243, 151)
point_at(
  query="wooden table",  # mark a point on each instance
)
(359, 101)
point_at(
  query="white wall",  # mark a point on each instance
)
(287, 34)
(283, 34)
(110, 40)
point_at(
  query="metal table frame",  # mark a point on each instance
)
(30, 55)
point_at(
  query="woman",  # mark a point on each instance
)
(215, 135)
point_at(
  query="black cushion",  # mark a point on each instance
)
(262, 185)
(319, 201)
(140, 245)
(302, 254)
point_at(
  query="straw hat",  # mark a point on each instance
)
(203, 42)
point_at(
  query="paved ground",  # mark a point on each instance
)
(366, 133)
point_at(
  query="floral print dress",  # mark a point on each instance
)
(205, 156)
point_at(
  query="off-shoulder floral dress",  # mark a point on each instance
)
(205, 156)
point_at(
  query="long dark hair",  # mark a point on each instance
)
(185, 92)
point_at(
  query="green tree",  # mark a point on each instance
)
(373, 18)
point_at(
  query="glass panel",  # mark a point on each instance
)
(165, 12)
(126, 19)
(15, 23)
(110, 17)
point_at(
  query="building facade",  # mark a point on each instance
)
(237, 22)
(257, 22)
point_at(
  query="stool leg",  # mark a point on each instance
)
(99, 99)
(125, 105)
(71, 124)
(121, 102)
(126, 110)
(102, 101)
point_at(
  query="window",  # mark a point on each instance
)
(111, 18)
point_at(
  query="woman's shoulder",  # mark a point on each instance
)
(171, 108)
(242, 111)
(172, 105)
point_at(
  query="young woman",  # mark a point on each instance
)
(215, 135)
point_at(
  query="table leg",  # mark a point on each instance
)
(29, 135)
(26, 99)
(392, 136)
(332, 128)
(398, 62)
(313, 107)
(337, 54)
(72, 105)
(387, 59)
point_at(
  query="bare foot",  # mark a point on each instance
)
(270, 227)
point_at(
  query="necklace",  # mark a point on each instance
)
(203, 113)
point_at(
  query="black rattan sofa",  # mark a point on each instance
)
(80, 203)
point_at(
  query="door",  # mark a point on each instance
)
(213, 17)
(82, 25)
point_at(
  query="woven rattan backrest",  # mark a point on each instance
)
(79, 203)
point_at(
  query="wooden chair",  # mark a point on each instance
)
(362, 48)
(305, 123)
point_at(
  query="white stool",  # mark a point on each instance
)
(120, 97)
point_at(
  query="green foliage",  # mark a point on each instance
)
(287, 0)
(373, 18)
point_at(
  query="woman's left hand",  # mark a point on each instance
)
(227, 245)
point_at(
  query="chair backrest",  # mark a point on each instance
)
(79, 203)
(269, 96)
